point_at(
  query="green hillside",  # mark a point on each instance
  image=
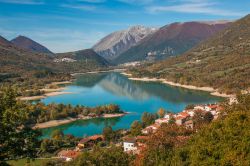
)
(222, 61)
(85, 60)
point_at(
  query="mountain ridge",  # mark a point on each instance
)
(30, 45)
(171, 40)
(117, 42)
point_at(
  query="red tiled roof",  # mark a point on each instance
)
(213, 106)
(220, 108)
(94, 138)
(131, 140)
(183, 114)
(140, 137)
(69, 153)
(179, 118)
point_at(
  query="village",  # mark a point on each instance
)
(136, 144)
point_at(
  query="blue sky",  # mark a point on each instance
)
(69, 25)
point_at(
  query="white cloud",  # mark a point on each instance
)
(23, 2)
(194, 6)
(80, 7)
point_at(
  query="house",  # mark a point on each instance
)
(191, 112)
(150, 129)
(181, 117)
(169, 115)
(129, 145)
(89, 141)
(183, 114)
(180, 120)
(211, 107)
(199, 107)
(162, 120)
(68, 155)
(189, 124)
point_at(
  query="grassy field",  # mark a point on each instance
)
(23, 162)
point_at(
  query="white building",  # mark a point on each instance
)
(168, 116)
(129, 145)
(162, 120)
(180, 120)
(199, 107)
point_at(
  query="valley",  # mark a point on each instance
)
(113, 92)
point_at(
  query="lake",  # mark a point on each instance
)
(135, 97)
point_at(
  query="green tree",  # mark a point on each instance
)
(16, 138)
(108, 133)
(45, 145)
(208, 117)
(148, 118)
(57, 134)
(224, 142)
(190, 106)
(136, 128)
(113, 156)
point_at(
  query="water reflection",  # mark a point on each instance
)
(97, 124)
(132, 96)
(120, 85)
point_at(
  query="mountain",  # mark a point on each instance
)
(19, 61)
(4, 41)
(116, 43)
(81, 60)
(30, 45)
(171, 40)
(221, 62)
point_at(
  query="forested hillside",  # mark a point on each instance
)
(83, 60)
(222, 61)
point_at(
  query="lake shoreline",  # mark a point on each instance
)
(48, 92)
(54, 123)
(101, 71)
(212, 91)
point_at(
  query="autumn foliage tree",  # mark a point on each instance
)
(161, 112)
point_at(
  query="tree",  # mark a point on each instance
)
(45, 145)
(171, 120)
(190, 106)
(161, 112)
(161, 145)
(224, 142)
(113, 156)
(136, 128)
(148, 118)
(57, 134)
(208, 117)
(16, 138)
(108, 133)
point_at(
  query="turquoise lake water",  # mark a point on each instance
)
(135, 97)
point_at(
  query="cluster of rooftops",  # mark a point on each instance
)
(136, 144)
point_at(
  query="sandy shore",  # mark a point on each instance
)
(61, 83)
(212, 91)
(54, 123)
(49, 91)
(30, 98)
